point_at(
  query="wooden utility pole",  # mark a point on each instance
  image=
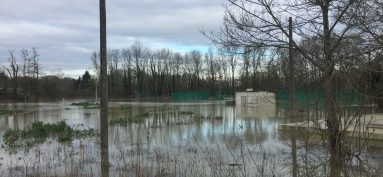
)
(292, 98)
(291, 70)
(104, 93)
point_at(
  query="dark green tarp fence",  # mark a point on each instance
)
(303, 96)
(196, 96)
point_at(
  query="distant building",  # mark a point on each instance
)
(250, 98)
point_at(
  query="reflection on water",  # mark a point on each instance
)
(172, 140)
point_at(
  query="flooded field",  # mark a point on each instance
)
(175, 139)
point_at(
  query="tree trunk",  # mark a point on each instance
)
(330, 105)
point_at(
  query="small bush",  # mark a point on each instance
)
(11, 135)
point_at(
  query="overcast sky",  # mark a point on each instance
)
(65, 32)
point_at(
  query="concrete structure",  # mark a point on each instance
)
(254, 98)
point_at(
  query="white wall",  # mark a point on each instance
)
(254, 98)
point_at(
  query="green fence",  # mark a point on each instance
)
(303, 96)
(196, 96)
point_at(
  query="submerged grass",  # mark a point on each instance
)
(186, 113)
(125, 121)
(7, 111)
(39, 132)
(126, 108)
(140, 118)
(183, 118)
(87, 105)
(214, 118)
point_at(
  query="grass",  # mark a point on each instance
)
(87, 105)
(39, 132)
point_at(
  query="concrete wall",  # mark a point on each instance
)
(254, 98)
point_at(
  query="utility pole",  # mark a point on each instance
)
(104, 94)
(291, 70)
(292, 98)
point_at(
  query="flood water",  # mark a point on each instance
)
(175, 139)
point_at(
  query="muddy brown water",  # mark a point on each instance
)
(174, 139)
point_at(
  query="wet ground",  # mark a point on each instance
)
(174, 139)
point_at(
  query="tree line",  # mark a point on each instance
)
(23, 79)
(141, 72)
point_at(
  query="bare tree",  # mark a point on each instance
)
(13, 71)
(126, 55)
(153, 68)
(256, 55)
(211, 64)
(138, 59)
(188, 71)
(245, 66)
(177, 61)
(368, 20)
(95, 59)
(263, 23)
(231, 52)
(196, 59)
(114, 59)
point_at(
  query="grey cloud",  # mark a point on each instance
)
(66, 31)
